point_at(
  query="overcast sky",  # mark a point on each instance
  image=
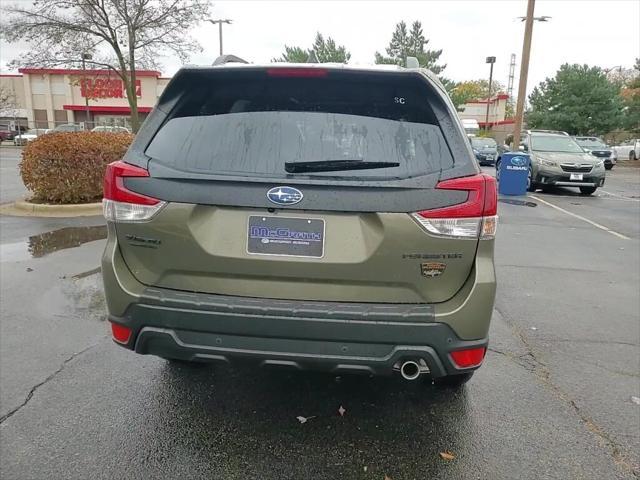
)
(596, 32)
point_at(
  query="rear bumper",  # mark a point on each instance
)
(296, 354)
(366, 338)
(332, 336)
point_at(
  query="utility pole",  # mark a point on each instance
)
(220, 22)
(85, 56)
(524, 72)
(490, 60)
(524, 69)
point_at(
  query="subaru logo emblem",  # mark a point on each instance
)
(518, 161)
(284, 195)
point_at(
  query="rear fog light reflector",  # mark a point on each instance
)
(121, 334)
(468, 358)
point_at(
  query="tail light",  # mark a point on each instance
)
(469, 358)
(474, 218)
(122, 205)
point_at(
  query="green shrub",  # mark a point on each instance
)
(68, 167)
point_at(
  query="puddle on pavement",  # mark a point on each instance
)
(43, 244)
(522, 203)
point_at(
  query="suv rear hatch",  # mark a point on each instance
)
(301, 183)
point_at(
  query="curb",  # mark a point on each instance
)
(22, 208)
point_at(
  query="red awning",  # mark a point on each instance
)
(506, 121)
(76, 71)
(101, 109)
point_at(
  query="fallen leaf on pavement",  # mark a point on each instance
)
(341, 411)
(447, 456)
(304, 419)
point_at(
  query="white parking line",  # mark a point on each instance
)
(620, 196)
(579, 217)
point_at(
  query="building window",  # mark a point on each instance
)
(60, 116)
(40, 117)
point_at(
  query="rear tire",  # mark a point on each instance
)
(608, 167)
(632, 155)
(453, 381)
(587, 190)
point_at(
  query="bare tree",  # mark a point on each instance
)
(120, 35)
(8, 102)
(7, 99)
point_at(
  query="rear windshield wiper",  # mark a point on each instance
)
(335, 166)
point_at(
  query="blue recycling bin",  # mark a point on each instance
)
(514, 169)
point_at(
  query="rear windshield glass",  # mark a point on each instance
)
(252, 125)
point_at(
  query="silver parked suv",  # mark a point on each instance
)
(557, 160)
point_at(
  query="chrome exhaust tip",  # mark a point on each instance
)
(410, 370)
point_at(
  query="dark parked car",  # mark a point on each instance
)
(596, 147)
(303, 217)
(485, 149)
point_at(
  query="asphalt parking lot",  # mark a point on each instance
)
(11, 187)
(558, 396)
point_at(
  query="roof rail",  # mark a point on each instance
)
(223, 59)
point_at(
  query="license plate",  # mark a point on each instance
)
(576, 176)
(489, 157)
(285, 236)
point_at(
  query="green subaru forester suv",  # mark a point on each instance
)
(303, 217)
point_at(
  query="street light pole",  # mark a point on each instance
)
(524, 72)
(490, 60)
(220, 22)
